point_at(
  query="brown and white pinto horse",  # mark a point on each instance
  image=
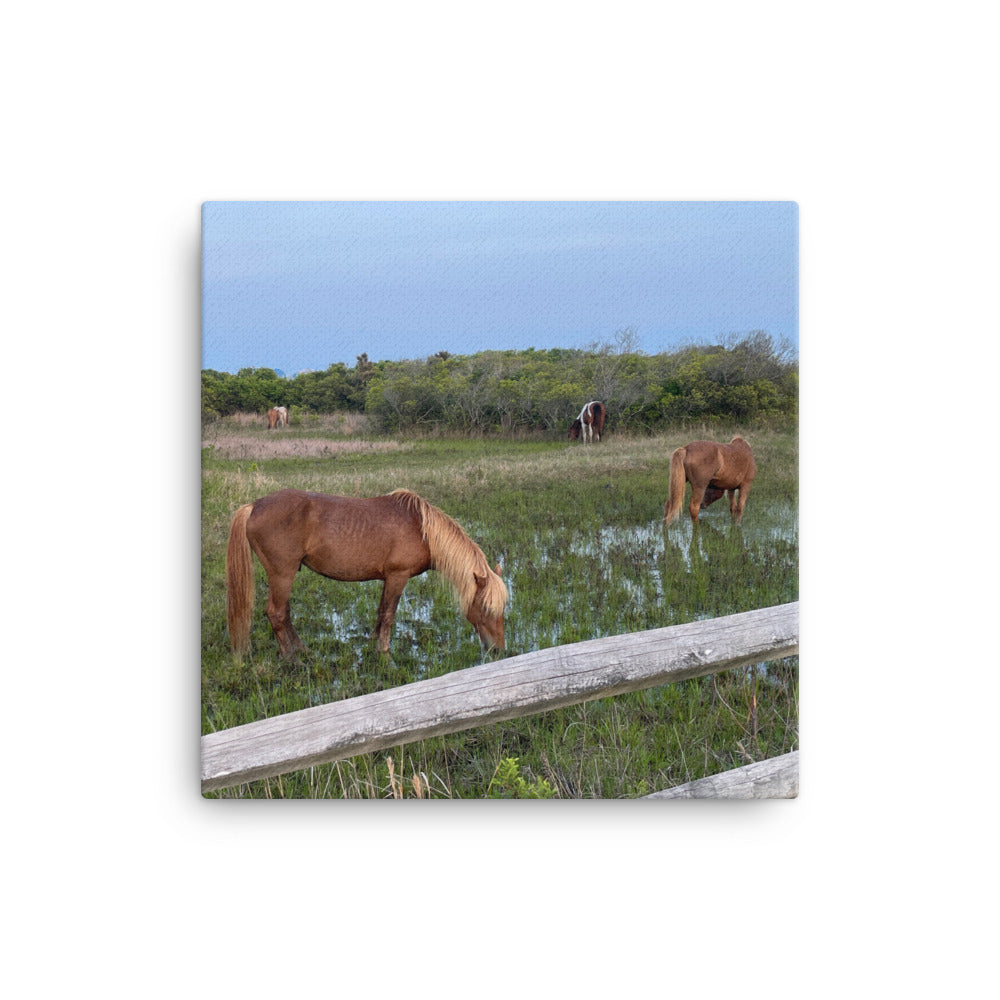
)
(711, 469)
(389, 538)
(590, 422)
(277, 416)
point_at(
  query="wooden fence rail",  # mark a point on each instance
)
(776, 778)
(504, 689)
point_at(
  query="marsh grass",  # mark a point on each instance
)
(578, 530)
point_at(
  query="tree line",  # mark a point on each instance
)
(743, 378)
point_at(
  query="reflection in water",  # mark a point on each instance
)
(352, 620)
(721, 568)
(623, 579)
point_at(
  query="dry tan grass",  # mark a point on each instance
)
(244, 436)
(278, 445)
(335, 423)
(452, 476)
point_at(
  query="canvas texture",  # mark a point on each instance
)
(499, 500)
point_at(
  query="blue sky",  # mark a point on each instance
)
(301, 285)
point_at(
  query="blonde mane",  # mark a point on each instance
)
(455, 555)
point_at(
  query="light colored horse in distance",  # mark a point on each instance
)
(277, 416)
(590, 422)
(712, 469)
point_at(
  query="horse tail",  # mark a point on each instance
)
(677, 479)
(239, 582)
(600, 413)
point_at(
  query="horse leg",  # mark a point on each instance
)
(279, 614)
(744, 493)
(697, 495)
(392, 589)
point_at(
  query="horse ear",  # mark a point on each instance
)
(480, 581)
(498, 570)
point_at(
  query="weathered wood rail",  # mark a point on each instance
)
(777, 778)
(492, 692)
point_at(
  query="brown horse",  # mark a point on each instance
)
(388, 538)
(590, 422)
(277, 416)
(711, 469)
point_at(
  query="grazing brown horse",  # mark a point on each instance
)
(590, 422)
(388, 538)
(277, 416)
(711, 469)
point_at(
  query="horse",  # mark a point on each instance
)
(712, 469)
(389, 538)
(590, 422)
(277, 416)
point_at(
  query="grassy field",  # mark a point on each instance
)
(578, 531)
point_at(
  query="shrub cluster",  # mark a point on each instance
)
(742, 379)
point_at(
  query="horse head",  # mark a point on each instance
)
(487, 622)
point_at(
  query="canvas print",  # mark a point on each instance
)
(499, 500)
